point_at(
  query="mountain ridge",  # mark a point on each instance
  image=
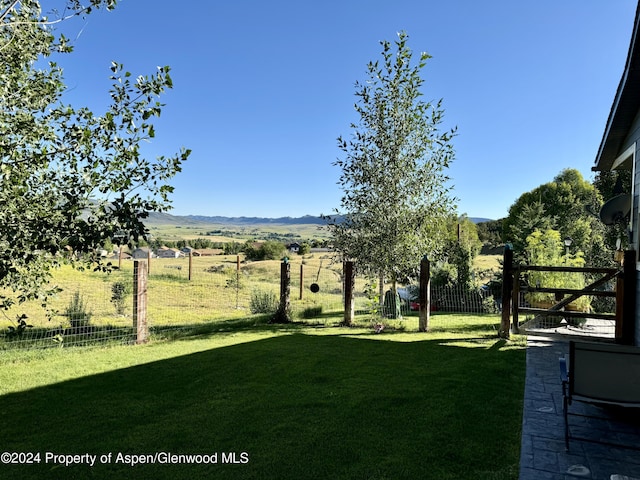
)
(156, 218)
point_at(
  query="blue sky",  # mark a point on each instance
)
(263, 89)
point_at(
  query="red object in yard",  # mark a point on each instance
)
(415, 306)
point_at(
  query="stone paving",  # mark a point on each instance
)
(543, 455)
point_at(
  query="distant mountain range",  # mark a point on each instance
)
(185, 220)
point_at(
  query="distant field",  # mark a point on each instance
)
(233, 233)
(486, 266)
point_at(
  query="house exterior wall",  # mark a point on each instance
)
(637, 330)
(634, 138)
(634, 201)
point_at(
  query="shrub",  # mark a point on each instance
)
(444, 275)
(20, 328)
(373, 298)
(263, 302)
(119, 293)
(77, 312)
(547, 249)
(269, 250)
(304, 249)
(215, 269)
(312, 312)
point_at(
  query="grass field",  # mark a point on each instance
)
(297, 401)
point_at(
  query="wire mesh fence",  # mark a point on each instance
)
(90, 309)
(189, 293)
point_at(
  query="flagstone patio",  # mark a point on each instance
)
(543, 454)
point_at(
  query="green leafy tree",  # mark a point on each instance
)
(547, 248)
(232, 248)
(565, 204)
(269, 250)
(530, 217)
(69, 179)
(490, 232)
(396, 197)
(305, 248)
(461, 247)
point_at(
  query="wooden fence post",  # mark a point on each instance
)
(424, 295)
(283, 314)
(349, 286)
(190, 263)
(140, 301)
(515, 298)
(626, 331)
(619, 307)
(507, 281)
(301, 280)
(238, 282)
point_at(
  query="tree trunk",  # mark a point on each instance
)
(424, 300)
(349, 283)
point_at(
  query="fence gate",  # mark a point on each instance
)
(552, 310)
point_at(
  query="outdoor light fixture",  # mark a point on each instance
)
(567, 243)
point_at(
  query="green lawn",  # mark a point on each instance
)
(291, 402)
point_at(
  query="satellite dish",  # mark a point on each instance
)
(616, 210)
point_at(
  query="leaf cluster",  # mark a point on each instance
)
(70, 179)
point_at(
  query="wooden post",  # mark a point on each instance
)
(515, 299)
(349, 287)
(301, 280)
(140, 271)
(507, 281)
(237, 282)
(619, 307)
(149, 259)
(424, 296)
(190, 263)
(119, 257)
(627, 329)
(283, 314)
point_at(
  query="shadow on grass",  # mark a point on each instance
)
(294, 406)
(483, 329)
(109, 334)
(231, 327)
